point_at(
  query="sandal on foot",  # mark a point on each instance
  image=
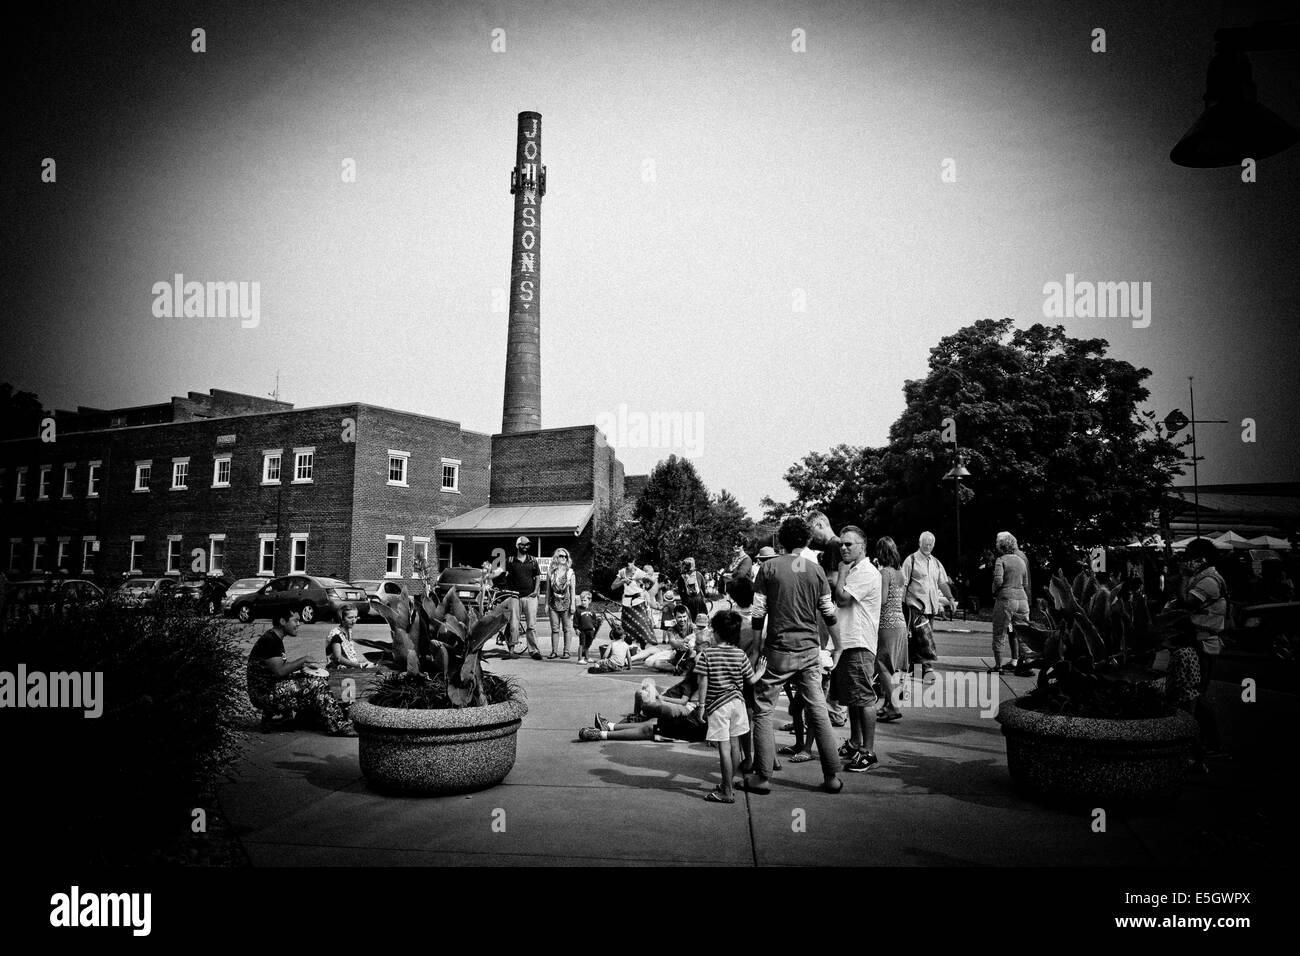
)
(757, 786)
(788, 751)
(802, 756)
(717, 796)
(889, 718)
(553, 656)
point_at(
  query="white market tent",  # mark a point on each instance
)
(1181, 545)
(1230, 539)
(1268, 541)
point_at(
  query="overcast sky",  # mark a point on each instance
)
(705, 181)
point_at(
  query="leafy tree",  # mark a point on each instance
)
(20, 413)
(674, 512)
(1049, 427)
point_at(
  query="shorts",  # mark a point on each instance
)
(729, 720)
(685, 729)
(852, 679)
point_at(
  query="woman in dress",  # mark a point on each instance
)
(891, 647)
(636, 619)
(561, 598)
(927, 593)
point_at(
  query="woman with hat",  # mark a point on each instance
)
(561, 599)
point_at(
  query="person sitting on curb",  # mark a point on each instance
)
(280, 687)
(680, 640)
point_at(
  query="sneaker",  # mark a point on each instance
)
(602, 723)
(862, 761)
(588, 733)
(583, 660)
(848, 749)
(787, 728)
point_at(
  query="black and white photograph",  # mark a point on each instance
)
(853, 436)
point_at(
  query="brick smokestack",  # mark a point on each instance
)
(522, 411)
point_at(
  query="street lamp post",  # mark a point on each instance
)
(957, 473)
(1175, 422)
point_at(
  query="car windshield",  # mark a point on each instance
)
(332, 583)
(249, 584)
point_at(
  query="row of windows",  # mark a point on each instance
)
(273, 466)
(211, 560)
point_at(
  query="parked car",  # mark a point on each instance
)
(239, 589)
(206, 593)
(468, 582)
(141, 592)
(310, 596)
(380, 591)
(33, 596)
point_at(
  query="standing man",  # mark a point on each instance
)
(691, 588)
(794, 592)
(856, 592)
(524, 577)
(741, 566)
(824, 539)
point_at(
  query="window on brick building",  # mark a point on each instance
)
(271, 467)
(20, 484)
(444, 555)
(87, 555)
(180, 474)
(143, 471)
(298, 553)
(43, 483)
(397, 462)
(451, 474)
(420, 551)
(137, 552)
(67, 480)
(38, 554)
(92, 479)
(61, 555)
(266, 555)
(15, 554)
(393, 556)
(173, 553)
(221, 472)
(304, 462)
(216, 553)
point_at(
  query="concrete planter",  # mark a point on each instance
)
(430, 752)
(1080, 761)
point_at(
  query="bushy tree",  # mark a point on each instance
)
(1051, 429)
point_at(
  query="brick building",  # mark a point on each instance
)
(256, 487)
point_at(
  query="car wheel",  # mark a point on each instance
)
(245, 614)
(308, 613)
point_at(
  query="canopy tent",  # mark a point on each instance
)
(1268, 541)
(1230, 539)
(1181, 545)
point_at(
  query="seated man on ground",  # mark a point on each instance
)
(280, 687)
(678, 641)
(667, 715)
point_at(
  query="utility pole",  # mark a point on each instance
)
(1175, 422)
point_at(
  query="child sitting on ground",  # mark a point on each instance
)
(587, 622)
(339, 650)
(722, 671)
(616, 656)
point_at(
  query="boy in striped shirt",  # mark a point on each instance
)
(723, 670)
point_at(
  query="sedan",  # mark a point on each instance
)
(29, 598)
(311, 597)
(142, 592)
(380, 591)
(205, 594)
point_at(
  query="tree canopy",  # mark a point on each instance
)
(1060, 452)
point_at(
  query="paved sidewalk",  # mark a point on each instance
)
(940, 796)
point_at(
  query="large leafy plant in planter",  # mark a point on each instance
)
(438, 645)
(1097, 647)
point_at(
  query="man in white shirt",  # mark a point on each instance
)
(856, 592)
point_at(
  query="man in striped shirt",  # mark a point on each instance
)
(792, 591)
(722, 671)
